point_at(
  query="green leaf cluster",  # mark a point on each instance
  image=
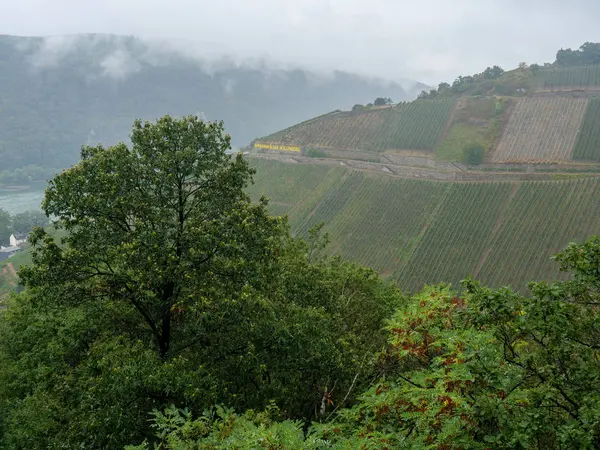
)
(485, 369)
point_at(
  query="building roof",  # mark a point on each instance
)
(21, 235)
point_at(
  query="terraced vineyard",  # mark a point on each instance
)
(456, 239)
(541, 130)
(416, 125)
(588, 141)
(419, 232)
(288, 185)
(572, 78)
(539, 222)
(347, 201)
(363, 218)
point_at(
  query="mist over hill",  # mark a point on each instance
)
(61, 92)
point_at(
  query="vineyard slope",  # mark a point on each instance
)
(541, 130)
(415, 125)
(588, 141)
(417, 232)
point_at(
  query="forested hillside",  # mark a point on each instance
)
(59, 93)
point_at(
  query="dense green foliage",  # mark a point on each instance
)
(588, 139)
(414, 125)
(421, 232)
(488, 369)
(169, 286)
(25, 221)
(60, 92)
(473, 154)
(5, 227)
(587, 55)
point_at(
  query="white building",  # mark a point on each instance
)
(17, 239)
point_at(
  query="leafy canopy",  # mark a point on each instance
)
(172, 287)
(153, 226)
(487, 369)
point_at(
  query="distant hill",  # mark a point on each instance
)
(59, 93)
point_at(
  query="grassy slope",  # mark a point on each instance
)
(419, 232)
(475, 120)
(8, 281)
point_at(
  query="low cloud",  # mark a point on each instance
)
(426, 40)
(119, 64)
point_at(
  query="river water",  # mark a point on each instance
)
(19, 201)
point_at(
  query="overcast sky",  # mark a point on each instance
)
(426, 40)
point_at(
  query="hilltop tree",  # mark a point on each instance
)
(588, 54)
(491, 73)
(443, 87)
(535, 68)
(381, 101)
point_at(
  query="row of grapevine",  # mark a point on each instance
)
(363, 218)
(421, 232)
(557, 79)
(541, 220)
(455, 241)
(286, 185)
(588, 141)
(541, 130)
(414, 125)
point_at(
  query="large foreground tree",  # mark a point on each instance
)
(159, 226)
(171, 287)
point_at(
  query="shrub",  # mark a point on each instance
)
(473, 154)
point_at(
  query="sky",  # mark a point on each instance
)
(425, 40)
